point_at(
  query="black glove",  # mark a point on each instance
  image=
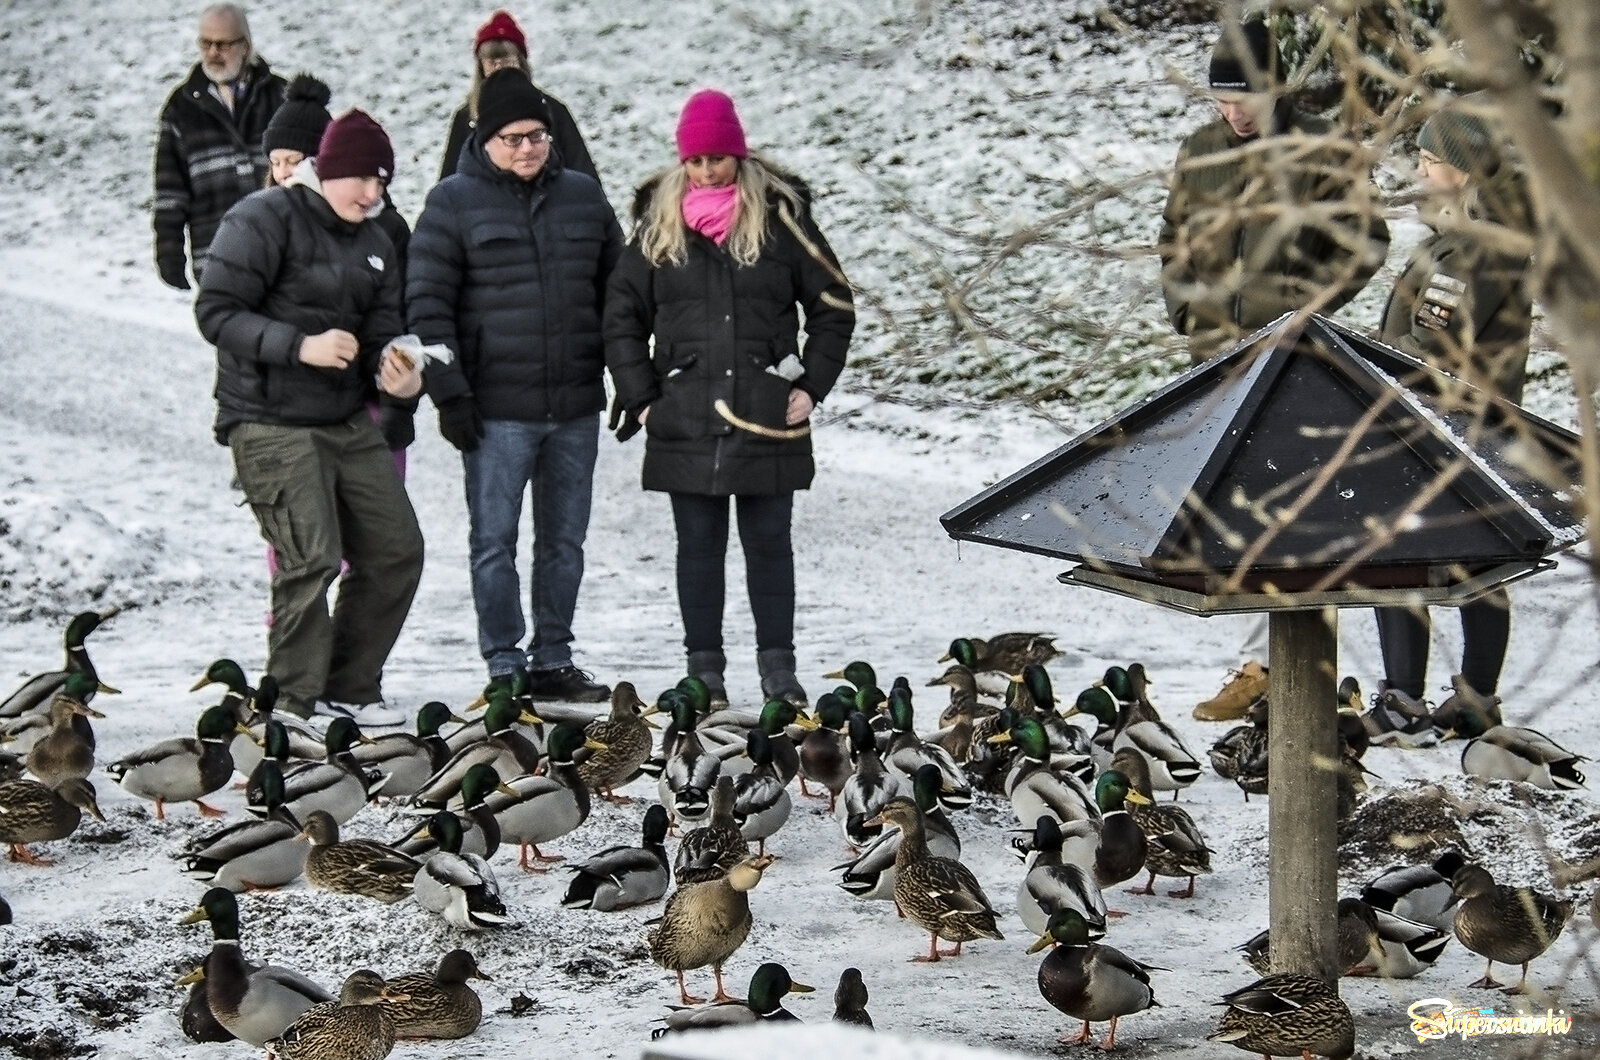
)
(624, 421)
(174, 273)
(460, 423)
(395, 422)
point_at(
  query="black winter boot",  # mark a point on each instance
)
(778, 681)
(708, 667)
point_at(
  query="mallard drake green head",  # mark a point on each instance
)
(869, 699)
(963, 651)
(831, 712)
(564, 741)
(221, 908)
(1036, 680)
(684, 713)
(902, 715)
(697, 692)
(220, 724)
(224, 672)
(859, 673)
(1117, 682)
(926, 785)
(1066, 927)
(1471, 720)
(504, 712)
(862, 738)
(479, 782)
(80, 687)
(1028, 736)
(779, 714)
(1113, 791)
(445, 828)
(1097, 703)
(432, 716)
(768, 986)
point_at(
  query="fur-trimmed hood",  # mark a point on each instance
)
(646, 192)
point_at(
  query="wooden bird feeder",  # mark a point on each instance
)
(1307, 469)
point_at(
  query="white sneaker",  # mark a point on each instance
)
(377, 715)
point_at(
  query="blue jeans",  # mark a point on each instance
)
(557, 460)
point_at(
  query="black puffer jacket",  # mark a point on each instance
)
(285, 266)
(511, 274)
(207, 160)
(718, 327)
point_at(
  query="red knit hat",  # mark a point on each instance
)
(353, 145)
(501, 26)
(710, 126)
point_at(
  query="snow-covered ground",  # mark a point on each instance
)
(111, 492)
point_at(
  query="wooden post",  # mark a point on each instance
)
(1302, 749)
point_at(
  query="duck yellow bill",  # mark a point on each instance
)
(1044, 942)
(999, 737)
(528, 717)
(197, 686)
(107, 689)
(801, 988)
(1137, 799)
(477, 704)
(196, 976)
(594, 745)
(194, 916)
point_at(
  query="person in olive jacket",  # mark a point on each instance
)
(301, 300)
(702, 341)
(508, 268)
(1463, 305)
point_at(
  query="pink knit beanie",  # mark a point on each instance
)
(710, 126)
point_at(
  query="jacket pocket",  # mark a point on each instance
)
(762, 393)
(683, 410)
(494, 232)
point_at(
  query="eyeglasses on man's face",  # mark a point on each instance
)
(209, 45)
(537, 138)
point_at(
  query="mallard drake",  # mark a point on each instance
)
(1173, 766)
(1446, 717)
(1283, 1014)
(273, 752)
(850, 1000)
(257, 709)
(37, 691)
(480, 829)
(1054, 882)
(1417, 892)
(355, 866)
(719, 842)
(534, 810)
(1034, 788)
(869, 788)
(359, 1026)
(1095, 702)
(768, 986)
(33, 813)
(628, 739)
(1512, 925)
(195, 1017)
(1005, 653)
(439, 1004)
(409, 761)
(66, 752)
(337, 784)
(1032, 695)
(689, 771)
(182, 770)
(503, 747)
(871, 875)
(704, 923)
(825, 751)
(255, 1004)
(1121, 851)
(252, 854)
(761, 803)
(461, 888)
(1174, 844)
(1127, 687)
(940, 895)
(515, 687)
(1405, 948)
(1510, 752)
(908, 752)
(1089, 981)
(619, 877)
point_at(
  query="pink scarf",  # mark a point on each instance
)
(711, 211)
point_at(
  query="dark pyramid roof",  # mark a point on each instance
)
(1313, 450)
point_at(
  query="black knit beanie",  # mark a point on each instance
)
(1229, 73)
(507, 96)
(298, 123)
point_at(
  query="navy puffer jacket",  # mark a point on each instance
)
(511, 275)
(284, 266)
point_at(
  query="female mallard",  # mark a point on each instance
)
(355, 866)
(825, 751)
(908, 752)
(1231, 756)
(255, 1004)
(1417, 892)
(768, 986)
(761, 803)
(1174, 844)
(1512, 925)
(36, 692)
(1359, 947)
(461, 888)
(704, 923)
(719, 842)
(628, 740)
(1510, 752)
(872, 875)
(409, 761)
(183, 770)
(65, 752)
(438, 1004)
(252, 854)
(850, 1000)
(534, 810)
(1285, 1014)
(869, 788)
(510, 752)
(1054, 883)
(1089, 981)
(337, 784)
(1005, 653)
(940, 895)
(359, 1026)
(689, 771)
(33, 813)
(1034, 788)
(619, 877)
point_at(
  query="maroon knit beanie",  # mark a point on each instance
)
(710, 126)
(501, 26)
(354, 145)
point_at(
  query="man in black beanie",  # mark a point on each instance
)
(1271, 211)
(508, 267)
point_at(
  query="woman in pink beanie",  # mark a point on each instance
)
(702, 323)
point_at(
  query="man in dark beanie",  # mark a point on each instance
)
(1271, 211)
(508, 267)
(208, 147)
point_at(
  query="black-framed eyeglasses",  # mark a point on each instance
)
(207, 44)
(516, 140)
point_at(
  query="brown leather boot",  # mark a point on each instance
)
(1243, 687)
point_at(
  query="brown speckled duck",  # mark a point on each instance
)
(439, 1004)
(1512, 925)
(1285, 1014)
(66, 751)
(33, 813)
(940, 895)
(358, 1026)
(628, 741)
(704, 923)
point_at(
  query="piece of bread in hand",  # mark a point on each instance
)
(402, 358)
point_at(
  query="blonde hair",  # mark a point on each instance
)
(492, 49)
(664, 237)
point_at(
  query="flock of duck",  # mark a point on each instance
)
(527, 773)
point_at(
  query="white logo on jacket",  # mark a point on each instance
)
(375, 261)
